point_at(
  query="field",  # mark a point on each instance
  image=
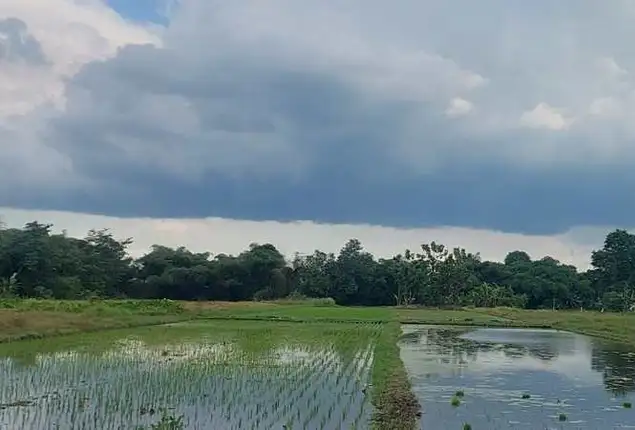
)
(229, 375)
(306, 364)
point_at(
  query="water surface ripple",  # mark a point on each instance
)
(518, 379)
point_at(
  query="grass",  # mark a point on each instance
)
(617, 327)
(22, 325)
(395, 405)
(29, 319)
(99, 307)
(289, 311)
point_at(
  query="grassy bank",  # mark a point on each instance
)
(611, 326)
(32, 319)
(617, 327)
(396, 406)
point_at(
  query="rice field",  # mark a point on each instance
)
(195, 375)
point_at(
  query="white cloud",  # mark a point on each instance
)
(71, 33)
(545, 116)
(459, 107)
(219, 235)
(609, 67)
(605, 106)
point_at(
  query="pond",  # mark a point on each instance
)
(489, 379)
(210, 375)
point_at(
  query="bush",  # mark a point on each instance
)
(298, 298)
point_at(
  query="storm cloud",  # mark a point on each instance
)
(505, 115)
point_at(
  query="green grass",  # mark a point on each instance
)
(612, 326)
(33, 319)
(99, 307)
(475, 317)
(396, 407)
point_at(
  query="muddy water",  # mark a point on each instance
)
(518, 379)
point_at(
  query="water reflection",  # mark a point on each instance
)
(583, 379)
(617, 365)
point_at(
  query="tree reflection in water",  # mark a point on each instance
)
(453, 346)
(616, 362)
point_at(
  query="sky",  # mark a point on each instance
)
(214, 124)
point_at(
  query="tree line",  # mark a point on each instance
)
(35, 262)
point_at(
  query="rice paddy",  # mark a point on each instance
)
(200, 375)
(297, 365)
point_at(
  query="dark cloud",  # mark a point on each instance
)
(500, 199)
(263, 121)
(16, 44)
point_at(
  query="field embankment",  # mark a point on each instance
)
(32, 319)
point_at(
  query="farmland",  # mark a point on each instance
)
(209, 374)
(283, 364)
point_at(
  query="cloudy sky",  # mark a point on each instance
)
(493, 125)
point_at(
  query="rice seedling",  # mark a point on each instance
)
(221, 374)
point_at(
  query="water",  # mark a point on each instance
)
(560, 375)
(216, 375)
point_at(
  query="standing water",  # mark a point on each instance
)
(225, 375)
(518, 379)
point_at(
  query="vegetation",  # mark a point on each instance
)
(218, 374)
(395, 405)
(34, 262)
(53, 284)
(35, 318)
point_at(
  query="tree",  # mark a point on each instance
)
(36, 262)
(613, 276)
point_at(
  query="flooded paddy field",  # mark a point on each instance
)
(203, 375)
(489, 379)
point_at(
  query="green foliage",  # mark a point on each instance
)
(36, 263)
